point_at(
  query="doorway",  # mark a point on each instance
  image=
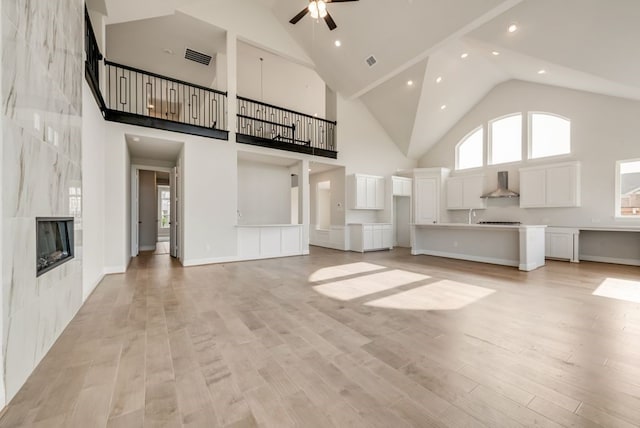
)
(154, 214)
(401, 221)
(155, 195)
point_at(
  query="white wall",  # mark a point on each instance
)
(284, 83)
(249, 18)
(603, 129)
(264, 193)
(93, 192)
(209, 176)
(117, 200)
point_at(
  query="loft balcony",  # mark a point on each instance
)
(142, 98)
(266, 125)
(138, 97)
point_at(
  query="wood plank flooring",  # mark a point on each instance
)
(402, 341)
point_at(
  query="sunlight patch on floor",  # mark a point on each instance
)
(620, 289)
(353, 288)
(334, 272)
(438, 296)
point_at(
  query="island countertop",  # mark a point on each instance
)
(478, 225)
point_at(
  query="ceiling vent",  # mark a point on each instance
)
(198, 57)
(371, 61)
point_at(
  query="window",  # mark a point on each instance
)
(469, 151)
(628, 189)
(506, 139)
(550, 135)
(165, 206)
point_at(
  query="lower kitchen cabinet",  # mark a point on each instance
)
(370, 236)
(561, 243)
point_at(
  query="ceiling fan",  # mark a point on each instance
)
(318, 9)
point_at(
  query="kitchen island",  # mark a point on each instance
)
(519, 245)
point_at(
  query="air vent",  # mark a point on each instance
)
(199, 57)
(371, 61)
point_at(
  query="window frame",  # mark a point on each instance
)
(530, 136)
(464, 140)
(490, 138)
(618, 205)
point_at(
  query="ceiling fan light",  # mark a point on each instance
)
(322, 8)
(313, 9)
(318, 9)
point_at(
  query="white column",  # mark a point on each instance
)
(306, 204)
(232, 80)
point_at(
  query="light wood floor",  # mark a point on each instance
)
(259, 344)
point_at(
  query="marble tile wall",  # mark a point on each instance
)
(41, 102)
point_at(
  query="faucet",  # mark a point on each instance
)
(472, 213)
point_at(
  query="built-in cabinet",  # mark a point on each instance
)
(370, 236)
(366, 192)
(561, 243)
(401, 186)
(428, 189)
(466, 192)
(550, 186)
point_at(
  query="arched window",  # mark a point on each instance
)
(505, 139)
(470, 150)
(549, 135)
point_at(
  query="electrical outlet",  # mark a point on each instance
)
(455, 244)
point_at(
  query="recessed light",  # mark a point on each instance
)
(409, 82)
(438, 79)
(167, 51)
(513, 28)
(136, 139)
(338, 43)
(495, 53)
(464, 55)
(543, 71)
(443, 106)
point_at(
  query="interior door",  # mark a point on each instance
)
(173, 213)
(135, 230)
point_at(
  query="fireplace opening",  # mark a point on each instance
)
(54, 242)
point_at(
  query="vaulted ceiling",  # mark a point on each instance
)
(582, 44)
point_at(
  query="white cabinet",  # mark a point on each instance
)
(550, 186)
(561, 243)
(370, 236)
(466, 192)
(427, 195)
(401, 186)
(366, 192)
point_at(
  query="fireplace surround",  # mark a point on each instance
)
(54, 242)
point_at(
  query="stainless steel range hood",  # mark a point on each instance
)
(503, 188)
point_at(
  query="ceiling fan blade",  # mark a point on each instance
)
(330, 22)
(299, 16)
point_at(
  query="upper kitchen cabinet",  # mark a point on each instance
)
(466, 192)
(428, 186)
(550, 186)
(366, 192)
(401, 186)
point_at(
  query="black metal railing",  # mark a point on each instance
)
(143, 93)
(93, 58)
(269, 122)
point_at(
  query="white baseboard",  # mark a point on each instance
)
(147, 248)
(614, 260)
(94, 284)
(114, 269)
